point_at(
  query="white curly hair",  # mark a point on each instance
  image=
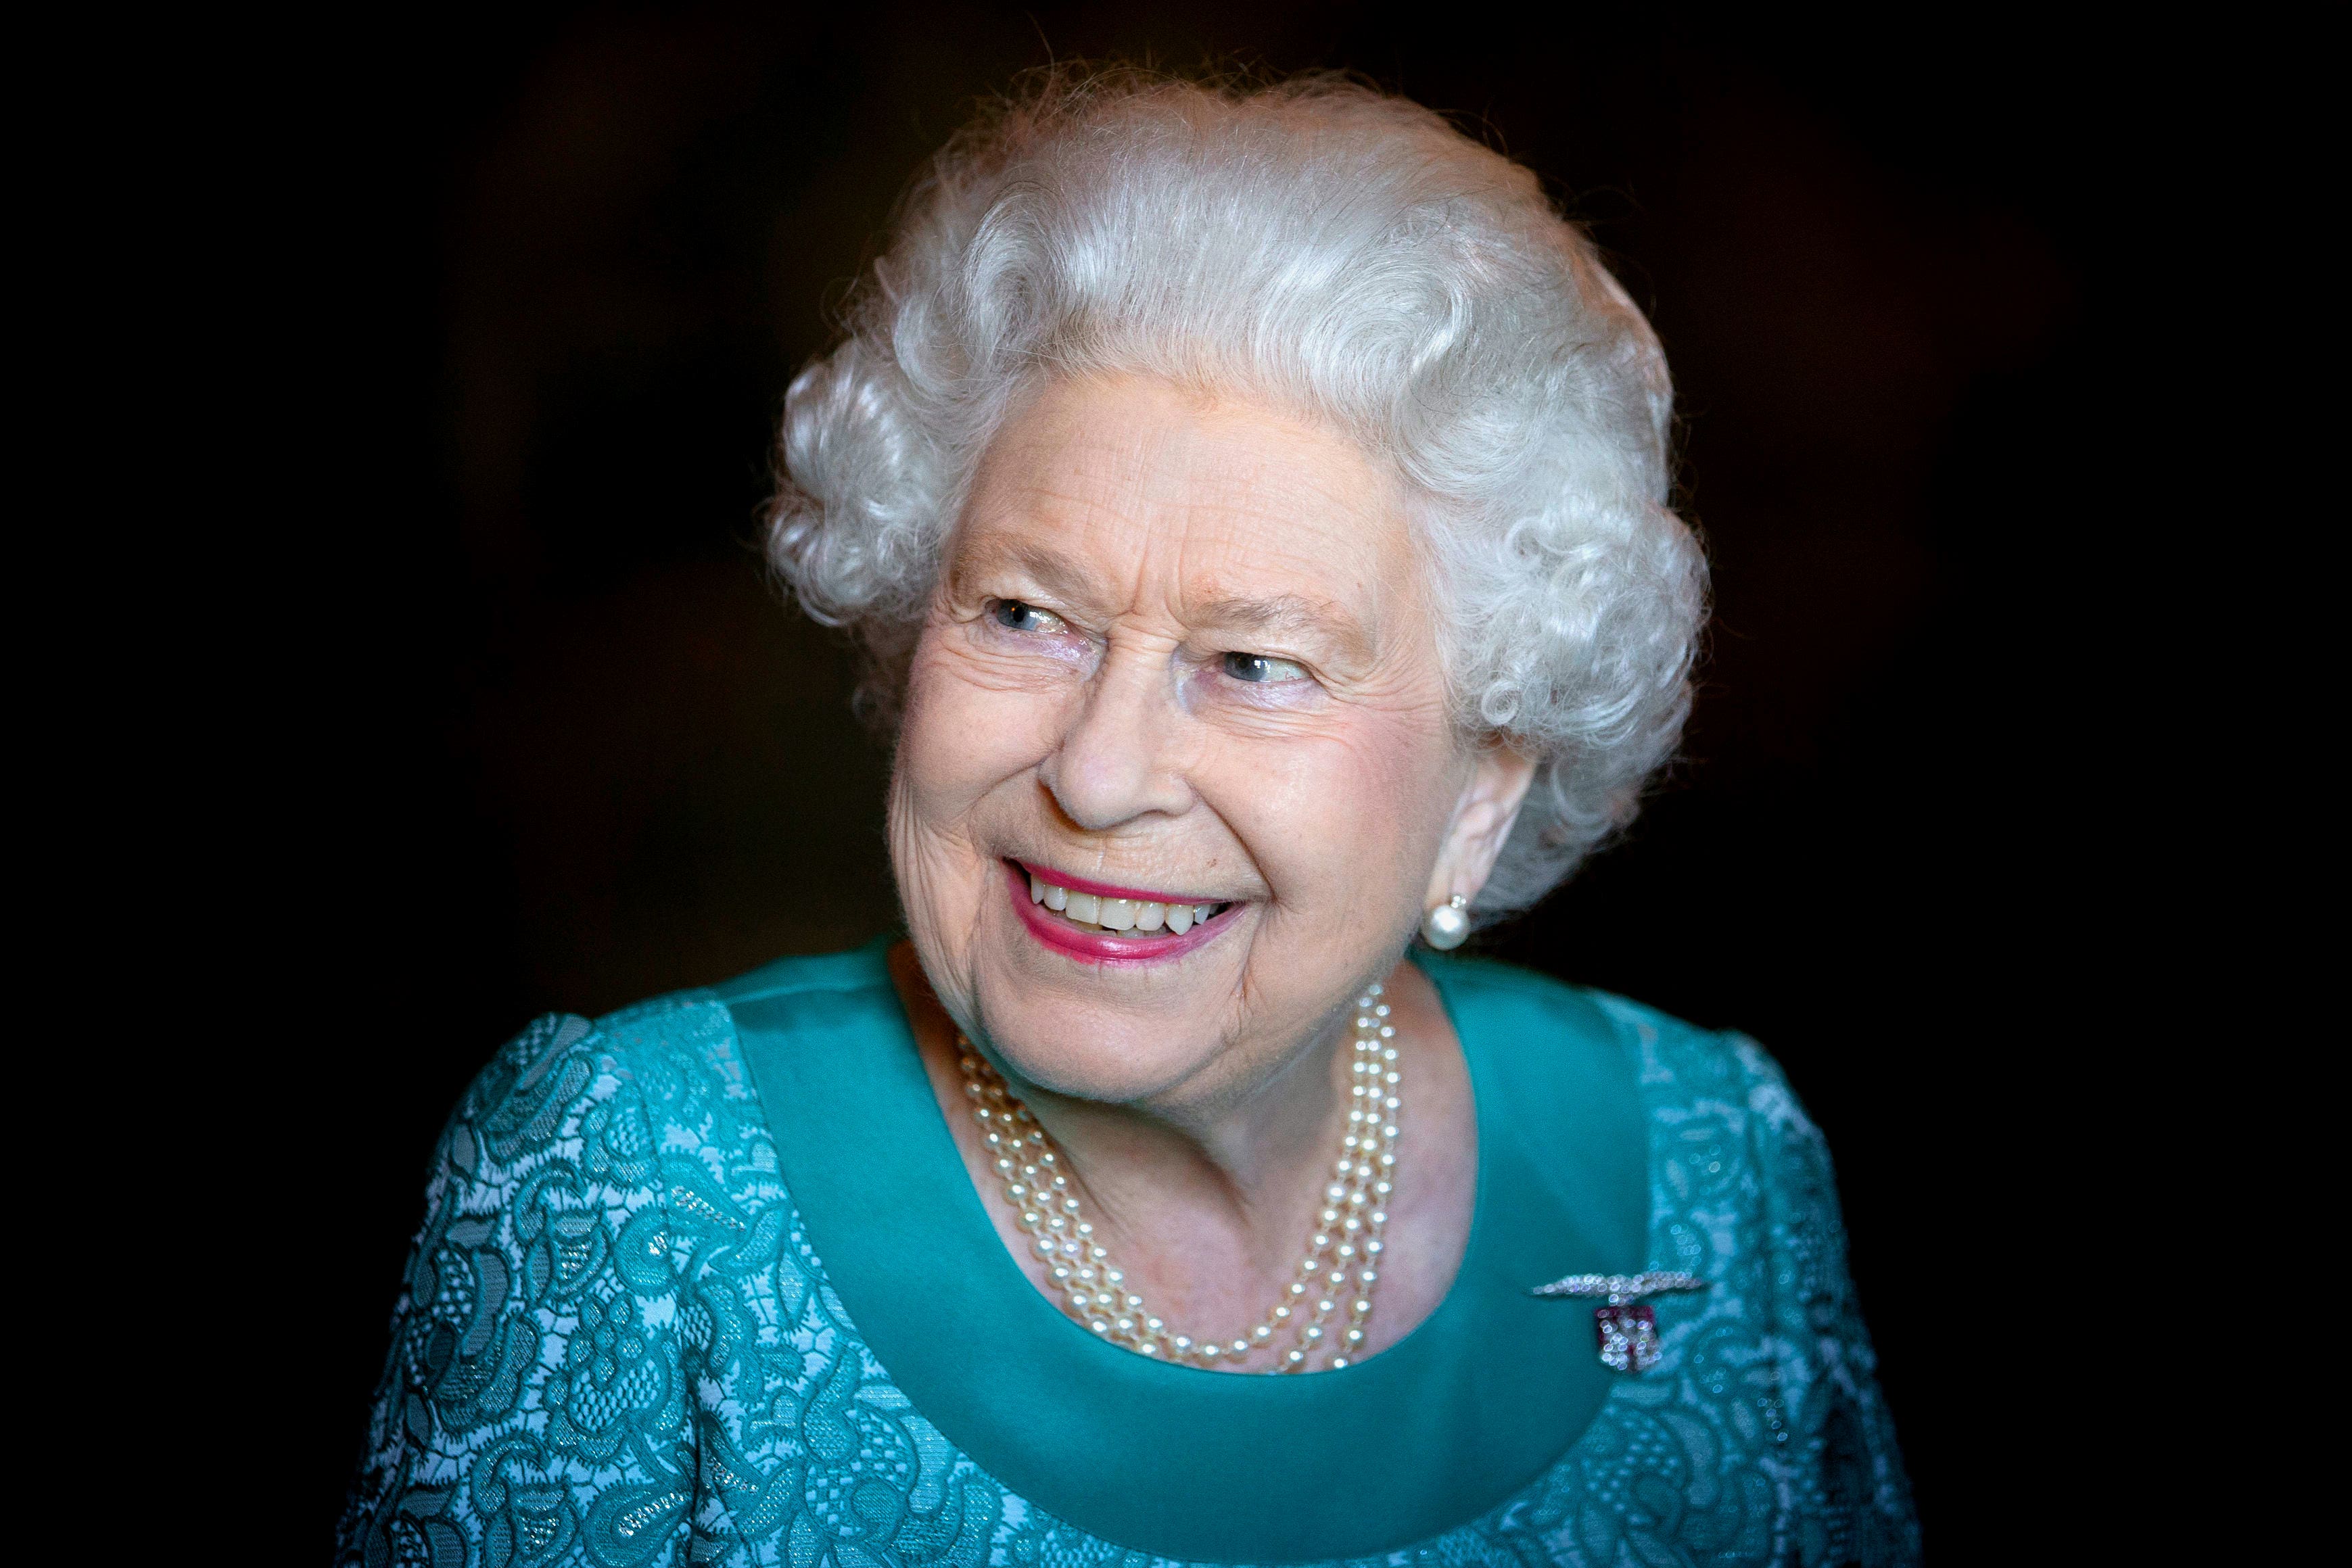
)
(1339, 252)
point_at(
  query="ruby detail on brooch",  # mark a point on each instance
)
(1626, 1330)
(1629, 1337)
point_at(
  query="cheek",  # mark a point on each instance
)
(1346, 823)
(961, 737)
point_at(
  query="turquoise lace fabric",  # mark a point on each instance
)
(615, 1345)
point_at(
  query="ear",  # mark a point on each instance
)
(1483, 815)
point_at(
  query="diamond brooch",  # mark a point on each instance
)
(1626, 1328)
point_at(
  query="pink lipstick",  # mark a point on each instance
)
(1089, 944)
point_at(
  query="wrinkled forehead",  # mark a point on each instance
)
(1123, 494)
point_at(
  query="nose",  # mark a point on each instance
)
(1118, 760)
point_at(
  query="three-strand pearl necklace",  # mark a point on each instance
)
(1335, 1280)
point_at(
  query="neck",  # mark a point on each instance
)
(1206, 1200)
(1248, 1163)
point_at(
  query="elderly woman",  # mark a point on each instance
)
(1252, 502)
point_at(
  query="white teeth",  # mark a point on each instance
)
(1118, 913)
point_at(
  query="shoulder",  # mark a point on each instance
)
(1673, 1057)
(1715, 1109)
(613, 1088)
(1667, 1053)
(566, 1078)
(553, 1084)
(681, 1040)
(796, 1010)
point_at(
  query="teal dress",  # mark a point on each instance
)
(704, 1282)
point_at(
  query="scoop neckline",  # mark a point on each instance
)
(914, 1257)
(1045, 1308)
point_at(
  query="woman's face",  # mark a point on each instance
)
(1176, 777)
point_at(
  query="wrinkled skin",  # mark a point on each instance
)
(1185, 644)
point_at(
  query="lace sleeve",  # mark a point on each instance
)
(534, 1401)
(1848, 1499)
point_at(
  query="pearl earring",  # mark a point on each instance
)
(1446, 926)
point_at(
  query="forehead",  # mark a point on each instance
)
(1138, 486)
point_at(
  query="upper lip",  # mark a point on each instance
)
(1076, 883)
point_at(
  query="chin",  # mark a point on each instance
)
(1104, 1053)
(1099, 1030)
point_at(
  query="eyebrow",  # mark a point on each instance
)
(1041, 565)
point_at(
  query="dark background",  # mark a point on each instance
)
(530, 730)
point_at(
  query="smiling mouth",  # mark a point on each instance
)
(1105, 915)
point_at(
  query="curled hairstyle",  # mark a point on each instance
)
(1334, 251)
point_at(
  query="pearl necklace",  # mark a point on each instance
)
(1342, 1257)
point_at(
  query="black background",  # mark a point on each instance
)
(529, 730)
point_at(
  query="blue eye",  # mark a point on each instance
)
(1259, 670)
(1013, 615)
